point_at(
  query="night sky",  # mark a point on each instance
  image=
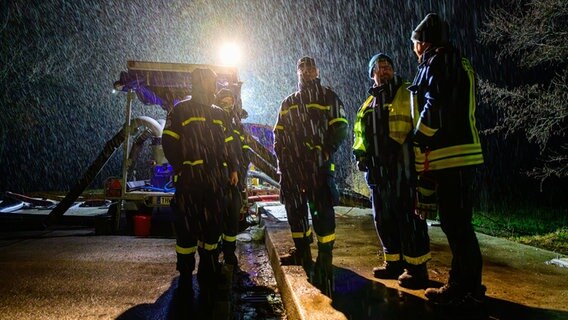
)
(59, 60)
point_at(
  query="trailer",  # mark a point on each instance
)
(160, 84)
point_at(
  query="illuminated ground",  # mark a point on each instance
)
(74, 274)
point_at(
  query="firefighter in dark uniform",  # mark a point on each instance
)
(195, 144)
(447, 150)
(383, 149)
(310, 127)
(240, 150)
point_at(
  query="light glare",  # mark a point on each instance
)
(230, 54)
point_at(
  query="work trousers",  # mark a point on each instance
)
(233, 214)
(454, 188)
(235, 204)
(311, 192)
(199, 220)
(403, 234)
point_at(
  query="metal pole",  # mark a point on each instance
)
(126, 147)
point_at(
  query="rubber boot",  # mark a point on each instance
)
(229, 256)
(323, 269)
(414, 277)
(301, 255)
(304, 253)
(182, 302)
(389, 270)
(208, 273)
(185, 265)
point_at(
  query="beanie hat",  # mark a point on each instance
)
(375, 59)
(308, 61)
(203, 86)
(432, 29)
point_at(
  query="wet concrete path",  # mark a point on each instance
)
(520, 283)
(73, 274)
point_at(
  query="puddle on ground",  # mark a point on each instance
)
(255, 291)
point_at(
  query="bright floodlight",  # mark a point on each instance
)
(230, 54)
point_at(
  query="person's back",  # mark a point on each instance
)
(447, 149)
(202, 148)
(455, 80)
(194, 144)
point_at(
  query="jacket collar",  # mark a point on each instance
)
(309, 84)
(388, 88)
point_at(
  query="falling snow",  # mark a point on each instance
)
(60, 58)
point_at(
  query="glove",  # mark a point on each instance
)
(362, 164)
(426, 198)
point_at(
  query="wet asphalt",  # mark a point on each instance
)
(72, 273)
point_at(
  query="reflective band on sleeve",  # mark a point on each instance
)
(318, 106)
(337, 120)
(190, 120)
(193, 163)
(427, 131)
(309, 145)
(171, 134)
(426, 192)
(182, 250)
(284, 112)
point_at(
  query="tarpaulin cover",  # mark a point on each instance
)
(262, 133)
(166, 83)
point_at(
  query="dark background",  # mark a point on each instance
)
(59, 60)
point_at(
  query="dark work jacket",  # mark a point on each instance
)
(239, 147)
(445, 135)
(311, 121)
(195, 141)
(372, 130)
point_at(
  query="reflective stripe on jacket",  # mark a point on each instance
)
(445, 135)
(195, 137)
(383, 122)
(309, 121)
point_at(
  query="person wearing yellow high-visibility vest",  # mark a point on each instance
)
(383, 150)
